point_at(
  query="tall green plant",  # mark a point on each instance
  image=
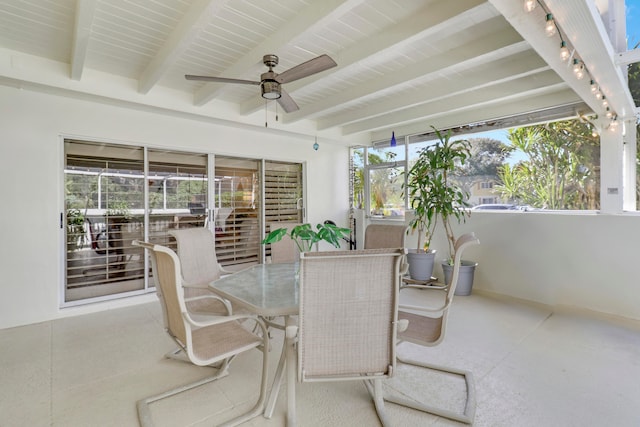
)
(433, 191)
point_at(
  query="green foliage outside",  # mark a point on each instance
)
(633, 71)
(486, 157)
(561, 169)
(385, 184)
(634, 87)
(357, 165)
(638, 166)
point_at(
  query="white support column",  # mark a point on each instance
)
(629, 165)
(611, 167)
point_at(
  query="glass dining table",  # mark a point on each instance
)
(268, 290)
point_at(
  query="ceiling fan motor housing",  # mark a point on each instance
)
(269, 84)
(270, 60)
(270, 89)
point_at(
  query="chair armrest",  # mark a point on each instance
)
(291, 332)
(217, 320)
(424, 308)
(404, 267)
(226, 303)
(432, 286)
(402, 325)
(194, 285)
(223, 271)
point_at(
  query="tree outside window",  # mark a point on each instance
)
(547, 166)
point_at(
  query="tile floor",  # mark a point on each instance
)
(532, 368)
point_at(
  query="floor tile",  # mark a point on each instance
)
(532, 367)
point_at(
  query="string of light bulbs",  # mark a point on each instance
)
(579, 68)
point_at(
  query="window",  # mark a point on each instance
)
(110, 201)
(548, 166)
(382, 177)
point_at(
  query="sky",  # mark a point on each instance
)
(633, 38)
(633, 22)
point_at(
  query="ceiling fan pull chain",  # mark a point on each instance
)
(266, 124)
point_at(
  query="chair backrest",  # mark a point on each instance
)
(285, 250)
(428, 322)
(166, 273)
(197, 254)
(348, 313)
(377, 236)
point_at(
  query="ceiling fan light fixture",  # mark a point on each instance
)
(271, 89)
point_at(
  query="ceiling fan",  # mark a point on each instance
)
(270, 82)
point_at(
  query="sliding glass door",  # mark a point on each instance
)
(237, 211)
(104, 199)
(115, 194)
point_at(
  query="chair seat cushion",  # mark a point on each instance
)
(421, 329)
(221, 341)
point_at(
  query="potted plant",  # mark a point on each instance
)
(305, 236)
(436, 198)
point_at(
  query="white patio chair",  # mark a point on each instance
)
(347, 321)
(285, 250)
(218, 339)
(378, 236)
(199, 266)
(427, 325)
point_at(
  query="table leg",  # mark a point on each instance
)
(277, 379)
(291, 333)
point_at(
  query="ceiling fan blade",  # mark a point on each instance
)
(312, 66)
(286, 102)
(220, 80)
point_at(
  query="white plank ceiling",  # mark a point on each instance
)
(403, 65)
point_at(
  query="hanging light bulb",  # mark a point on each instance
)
(594, 86)
(613, 126)
(550, 26)
(609, 113)
(564, 51)
(578, 69)
(599, 94)
(605, 103)
(529, 5)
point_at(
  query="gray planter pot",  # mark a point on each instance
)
(421, 264)
(465, 276)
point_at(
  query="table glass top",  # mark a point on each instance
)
(265, 289)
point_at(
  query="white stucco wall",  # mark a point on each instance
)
(588, 261)
(32, 126)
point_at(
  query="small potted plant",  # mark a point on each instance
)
(435, 198)
(305, 236)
